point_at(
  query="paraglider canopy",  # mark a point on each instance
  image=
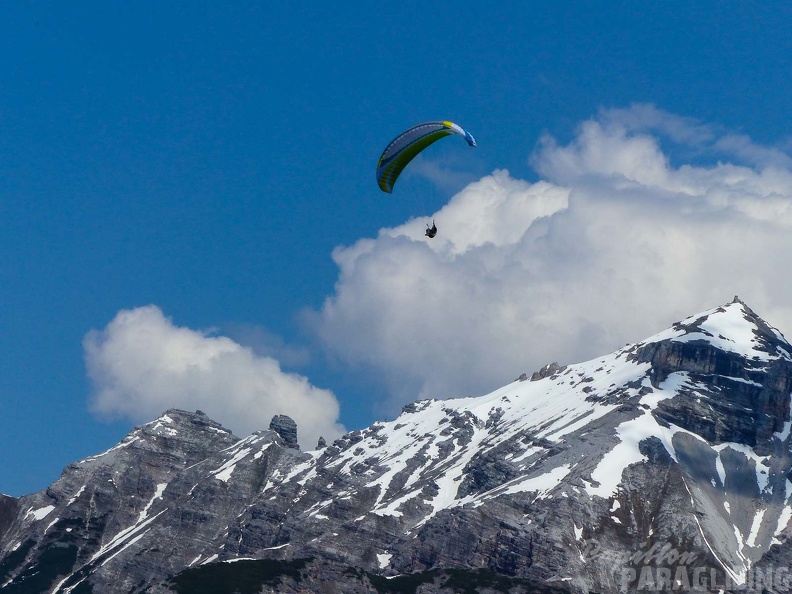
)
(408, 144)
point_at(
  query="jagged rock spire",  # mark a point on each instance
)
(287, 429)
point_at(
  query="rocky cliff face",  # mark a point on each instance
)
(8, 510)
(286, 428)
(743, 388)
(663, 464)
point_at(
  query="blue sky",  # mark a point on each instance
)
(204, 162)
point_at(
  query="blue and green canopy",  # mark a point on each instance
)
(408, 144)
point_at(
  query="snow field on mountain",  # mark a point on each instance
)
(718, 324)
(427, 439)
(516, 451)
(39, 514)
(631, 433)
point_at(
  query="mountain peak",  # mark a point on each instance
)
(678, 443)
(733, 328)
(735, 375)
(177, 423)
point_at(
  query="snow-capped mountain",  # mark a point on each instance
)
(665, 463)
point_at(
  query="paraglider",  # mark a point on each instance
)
(408, 144)
(431, 231)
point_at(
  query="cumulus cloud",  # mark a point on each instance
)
(141, 364)
(614, 243)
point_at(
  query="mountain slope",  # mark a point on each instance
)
(575, 478)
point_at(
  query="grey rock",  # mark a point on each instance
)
(666, 456)
(287, 429)
(9, 507)
(546, 371)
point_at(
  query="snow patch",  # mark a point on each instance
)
(226, 470)
(720, 469)
(384, 559)
(40, 513)
(276, 548)
(783, 522)
(784, 433)
(75, 496)
(124, 535)
(542, 484)
(50, 525)
(157, 495)
(757, 523)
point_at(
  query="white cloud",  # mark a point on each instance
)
(141, 364)
(647, 118)
(613, 244)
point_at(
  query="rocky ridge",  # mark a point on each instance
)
(572, 481)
